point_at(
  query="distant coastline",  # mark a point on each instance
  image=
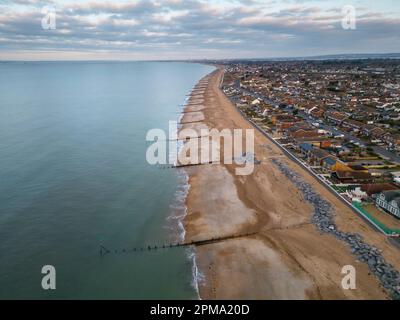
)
(345, 56)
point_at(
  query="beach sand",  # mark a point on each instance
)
(286, 257)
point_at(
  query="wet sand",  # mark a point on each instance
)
(287, 258)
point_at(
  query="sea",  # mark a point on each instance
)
(76, 190)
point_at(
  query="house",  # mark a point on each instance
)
(357, 167)
(357, 194)
(389, 201)
(284, 125)
(301, 133)
(299, 126)
(352, 124)
(319, 141)
(341, 166)
(324, 144)
(396, 177)
(377, 173)
(393, 139)
(329, 163)
(372, 131)
(305, 149)
(317, 113)
(283, 118)
(377, 188)
(351, 177)
(342, 150)
(335, 117)
(316, 156)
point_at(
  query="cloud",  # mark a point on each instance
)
(194, 28)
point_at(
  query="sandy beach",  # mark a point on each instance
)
(287, 257)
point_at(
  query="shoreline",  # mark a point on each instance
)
(282, 261)
(197, 276)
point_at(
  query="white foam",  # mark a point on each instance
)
(198, 277)
(179, 212)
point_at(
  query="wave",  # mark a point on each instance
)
(179, 213)
(179, 209)
(197, 276)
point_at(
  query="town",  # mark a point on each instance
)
(340, 119)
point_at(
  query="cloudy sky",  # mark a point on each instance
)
(194, 29)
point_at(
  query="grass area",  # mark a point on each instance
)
(373, 217)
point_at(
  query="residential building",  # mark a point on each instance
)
(335, 117)
(329, 164)
(377, 188)
(351, 177)
(390, 202)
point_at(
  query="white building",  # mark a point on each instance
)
(390, 202)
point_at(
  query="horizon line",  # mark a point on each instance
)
(312, 57)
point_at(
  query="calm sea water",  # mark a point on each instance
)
(73, 176)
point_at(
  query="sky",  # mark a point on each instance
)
(194, 29)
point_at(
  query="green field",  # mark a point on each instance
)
(387, 230)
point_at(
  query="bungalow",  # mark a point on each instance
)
(393, 139)
(377, 173)
(299, 126)
(352, 176)
(352, 124)
(319, 142)
(324, 144)
(372, 131)
(284, 125)
(329, 164)
(357, 194)
(305, 149)
(377, 188)
(316, 156)
(317, 113)
(301, 133)
(357, 167)
(335, 117)
(283, 118)
(343, 150)
(390, 202)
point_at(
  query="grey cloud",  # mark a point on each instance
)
(195, 28)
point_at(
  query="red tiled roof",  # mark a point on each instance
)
(375, 188)
(357, 175)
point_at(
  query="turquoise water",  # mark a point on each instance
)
(73, 176)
